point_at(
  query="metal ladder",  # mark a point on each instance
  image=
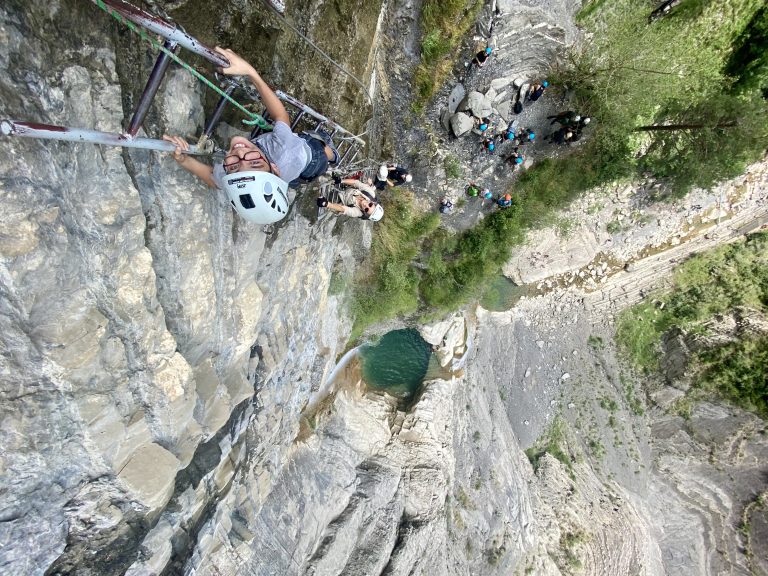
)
(303, 117)
(347, 144)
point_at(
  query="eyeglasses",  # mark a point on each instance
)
(232, 161)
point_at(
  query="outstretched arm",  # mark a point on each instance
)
(239, 67)
(202, 171)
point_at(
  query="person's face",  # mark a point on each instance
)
(365, 205)
(244, 156)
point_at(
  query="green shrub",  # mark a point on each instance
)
(452, 167)
(387, 285)
(706, 285)
(443, 24)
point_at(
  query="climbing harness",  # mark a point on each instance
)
(346, 143)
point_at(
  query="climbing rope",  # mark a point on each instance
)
(254, 118)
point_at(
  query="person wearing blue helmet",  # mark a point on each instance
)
(515, 159)
(481, 57)
(526, 136)
(537, 90)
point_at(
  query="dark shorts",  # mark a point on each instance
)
(318, 164)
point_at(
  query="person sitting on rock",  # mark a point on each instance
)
(489, 145)
(482, 124)
(275, 159)
(561, 136)
(446, 205)
(358, 200)
(537, 90)
(505, 201)
(572, 136)
(516, 158)
(527, 136)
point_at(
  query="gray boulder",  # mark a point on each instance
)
(445, 118)
(455, 98)
(477, 104)
(461, 123)
(504, 109)
(499, 84)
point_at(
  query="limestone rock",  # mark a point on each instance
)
(477, 104)
(150, 474)
(461, 124)
(455, 98)
(504, 110)
(445, 119)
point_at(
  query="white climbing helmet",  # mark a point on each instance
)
(376, 213)
(408, 178)
(259, 197)
(383, 172)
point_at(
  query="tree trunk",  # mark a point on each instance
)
(729, 124)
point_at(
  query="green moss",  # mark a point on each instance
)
(443, 25)
(553, 442)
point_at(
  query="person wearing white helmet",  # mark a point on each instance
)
(256, 173)
(392, 175)
(358, 200)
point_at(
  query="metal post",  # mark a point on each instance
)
(155, 78)
(295, 122)
(165, 29)
(50, 132)
(351, 147)
(211, 125)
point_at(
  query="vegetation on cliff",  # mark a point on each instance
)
(730, 280)
(443, 26)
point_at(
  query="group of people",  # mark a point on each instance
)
(473, 190)
(256, 172)
(358, 198)
(571, 126)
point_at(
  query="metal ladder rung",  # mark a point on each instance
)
(296, 120)
(343, 158)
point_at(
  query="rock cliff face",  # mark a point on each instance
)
(152, 344)
(157, 354)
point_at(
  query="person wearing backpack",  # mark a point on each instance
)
(358, 200)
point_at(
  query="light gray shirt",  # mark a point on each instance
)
(285, 149)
